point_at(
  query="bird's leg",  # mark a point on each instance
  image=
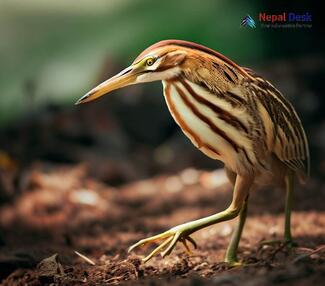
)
(289, 183)
(182, 232)
(231, 254)
(288, 206)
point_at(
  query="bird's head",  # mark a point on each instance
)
(160, 61)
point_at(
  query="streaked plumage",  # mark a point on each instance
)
(230, 114)
(249, 121)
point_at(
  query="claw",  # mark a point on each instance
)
(170, 239)
(171, 246)
(157, 249)
(191, 240)
(147, 240)
(188, 250)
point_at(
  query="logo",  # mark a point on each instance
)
(248, 21)
(280, 20)
(285, 17)
(285, 20)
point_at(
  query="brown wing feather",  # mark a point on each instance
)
(290, 141)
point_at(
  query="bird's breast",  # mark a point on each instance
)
(210, 123)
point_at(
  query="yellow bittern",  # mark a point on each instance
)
(231, 114)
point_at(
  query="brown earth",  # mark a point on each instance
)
(63, 210)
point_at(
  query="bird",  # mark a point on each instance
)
(231, 114)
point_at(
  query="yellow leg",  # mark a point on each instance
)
(231, 254)
(182, 232)
(288, 207)
(289, 182)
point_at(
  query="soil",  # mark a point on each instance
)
(64, 211)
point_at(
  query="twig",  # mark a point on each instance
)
(85, 258)
(300, 257)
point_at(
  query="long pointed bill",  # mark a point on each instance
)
(122, 79)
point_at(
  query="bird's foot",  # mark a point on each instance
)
(168, 241)
(234, 262)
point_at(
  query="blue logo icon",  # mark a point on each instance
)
(248, 21)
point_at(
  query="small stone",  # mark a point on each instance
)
(49, 268)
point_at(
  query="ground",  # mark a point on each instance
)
(65, 211)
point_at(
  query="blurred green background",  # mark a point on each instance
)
(53, 50)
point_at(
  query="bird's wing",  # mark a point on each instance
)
(289, 139)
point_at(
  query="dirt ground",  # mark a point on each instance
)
(64, 211)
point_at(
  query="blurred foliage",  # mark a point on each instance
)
(51, 51)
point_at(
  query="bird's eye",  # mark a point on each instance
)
(150, 62)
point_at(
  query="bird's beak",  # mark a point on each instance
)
(125, 77)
